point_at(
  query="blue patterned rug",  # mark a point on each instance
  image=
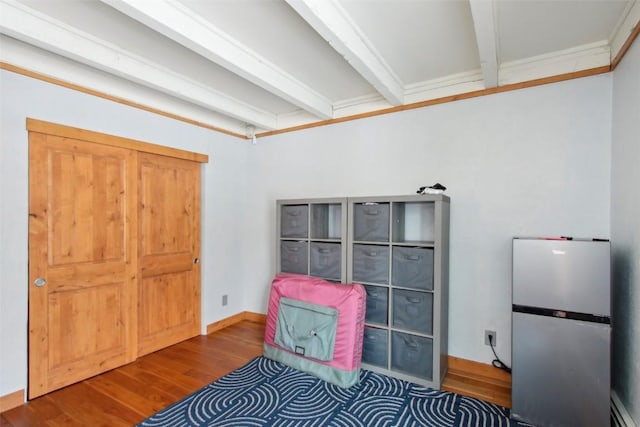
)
(268, 393)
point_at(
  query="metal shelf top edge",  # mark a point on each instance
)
(407, 198)
(312, 201)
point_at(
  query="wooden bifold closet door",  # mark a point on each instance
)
(113, 235)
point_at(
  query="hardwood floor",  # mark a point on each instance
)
(131, 393)
(478, 380)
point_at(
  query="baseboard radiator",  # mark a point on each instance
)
(619, 415)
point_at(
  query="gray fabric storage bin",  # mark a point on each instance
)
(371, 263)
(371, 222)
(293, 257)
(306, 329)
(294, 220)
(377, 304)
(326, 260)
(412, 267)
(374, 347)
(412, 354)
(413, 310)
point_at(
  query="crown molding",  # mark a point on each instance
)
(625, 33)
(565, 61)
(453, 84)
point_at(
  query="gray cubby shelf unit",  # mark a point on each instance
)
(311, 237)
(398, 248)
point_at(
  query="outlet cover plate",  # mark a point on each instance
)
(486, 337)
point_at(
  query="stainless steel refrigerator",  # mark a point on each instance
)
(561, 332)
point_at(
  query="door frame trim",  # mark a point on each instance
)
(49, 128)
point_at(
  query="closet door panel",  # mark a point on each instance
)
(82, 260)
(159, 292)
(169, 251)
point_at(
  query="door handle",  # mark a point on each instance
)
(196, 260)
(40, 282)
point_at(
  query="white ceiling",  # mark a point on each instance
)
(240, 65)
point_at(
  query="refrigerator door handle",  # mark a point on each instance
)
(550, 312)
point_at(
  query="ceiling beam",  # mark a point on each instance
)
(30, 26)
(482, 12)
(181, 24)
(334, 24)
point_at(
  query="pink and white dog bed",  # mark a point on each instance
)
(316, 326)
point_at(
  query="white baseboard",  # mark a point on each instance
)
(619, 415)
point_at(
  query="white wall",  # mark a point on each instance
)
(625, 231)
(223, 198)
(529, 162)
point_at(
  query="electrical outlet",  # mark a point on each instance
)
(492, 334)
(224, 300)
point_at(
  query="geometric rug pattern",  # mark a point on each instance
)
(268, 393)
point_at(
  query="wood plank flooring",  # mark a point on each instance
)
(131, 393)
(478, 380)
